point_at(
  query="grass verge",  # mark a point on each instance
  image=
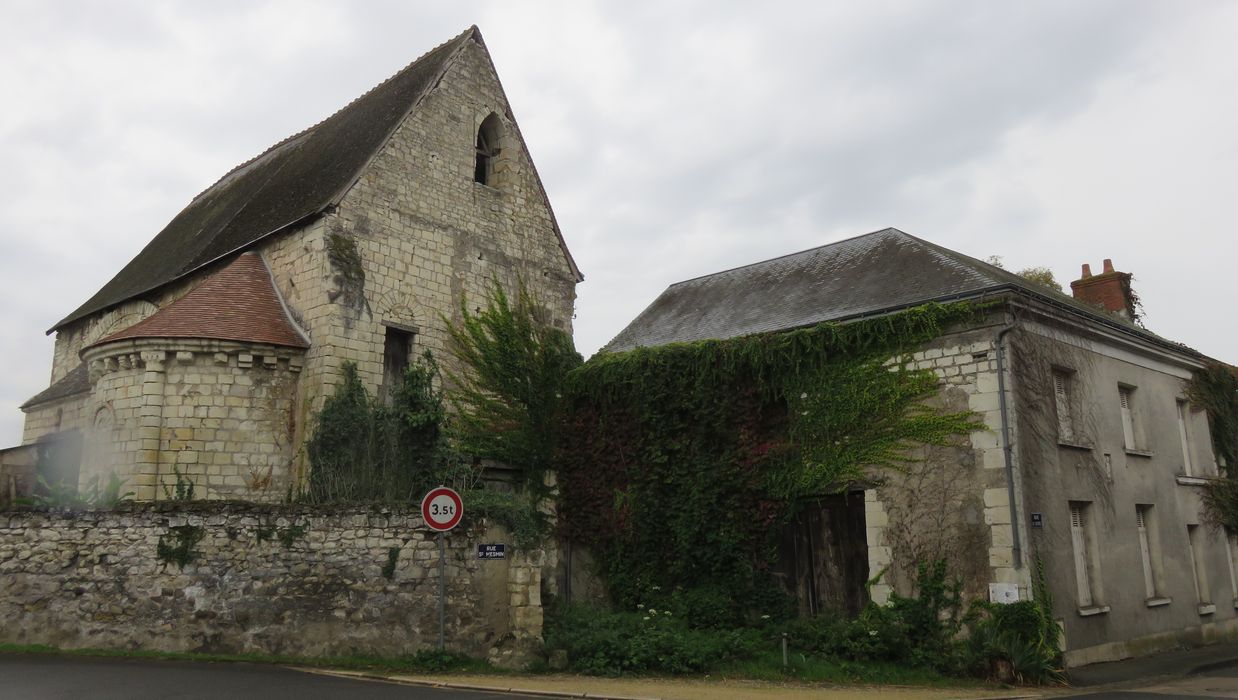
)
(421, 662)
(768, 667)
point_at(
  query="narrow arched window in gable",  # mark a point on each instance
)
(489, 137)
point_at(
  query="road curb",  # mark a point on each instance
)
(404, 680)
(1213, 666)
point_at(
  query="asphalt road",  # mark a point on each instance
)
(1221, 683)
(36, 677)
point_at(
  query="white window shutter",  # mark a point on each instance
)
(1128, 422)
(1149, 584)
(1187, 467)
(1061, 396)
(1078, 523)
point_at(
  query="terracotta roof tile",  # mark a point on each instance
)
(239, 303)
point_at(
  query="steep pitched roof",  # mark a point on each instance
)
(295, 179)
(875, 273)
(239, 302)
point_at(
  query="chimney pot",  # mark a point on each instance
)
(1110, 290)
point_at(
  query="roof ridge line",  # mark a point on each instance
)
(303, 132)
(279, 296)
(448, 62)
(788, 255)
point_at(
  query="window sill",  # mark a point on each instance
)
(1207, 609)
(1094, 610)
(1157, 602)
(1075, 445)
(1138, 453)
(1188, 480)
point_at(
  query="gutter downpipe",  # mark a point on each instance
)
(1007, 450)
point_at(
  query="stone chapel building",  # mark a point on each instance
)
(349, 241)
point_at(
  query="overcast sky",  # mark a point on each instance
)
(674, 139)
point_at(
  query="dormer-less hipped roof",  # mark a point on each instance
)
(290, 183)
(238, 303)
(876, 273)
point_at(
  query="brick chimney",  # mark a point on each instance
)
(1110, 290)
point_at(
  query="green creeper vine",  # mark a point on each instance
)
(682, 460)
(1215, 390)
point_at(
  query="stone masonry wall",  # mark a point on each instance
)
(426, 236)
(951, 502)
(265, 579)
(219, 413)
(54, 416)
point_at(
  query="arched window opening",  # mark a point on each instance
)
(488, 139)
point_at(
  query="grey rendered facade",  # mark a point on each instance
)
(1091, 464)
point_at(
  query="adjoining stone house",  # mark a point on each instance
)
(1092, 463)
(349, 241)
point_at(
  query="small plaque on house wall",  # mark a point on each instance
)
(1038, 520)
(1004, 592)
(490, 551)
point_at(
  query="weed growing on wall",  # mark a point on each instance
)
(681, 461)
(183, 490)
(364, 451)
(177, 545)
(508, 398)
(1215, 390)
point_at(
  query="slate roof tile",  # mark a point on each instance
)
(874, 273)
(294, 180)
(77, 381)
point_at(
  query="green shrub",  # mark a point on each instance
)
(362, 450)
(94, 495)
(646, 641)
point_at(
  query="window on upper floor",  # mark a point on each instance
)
(489, 135)
(1184, 436)
(1063, 402)
(1132, 431)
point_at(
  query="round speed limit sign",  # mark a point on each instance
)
(442, 509)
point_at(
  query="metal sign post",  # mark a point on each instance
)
(442, 509)
(442, 589)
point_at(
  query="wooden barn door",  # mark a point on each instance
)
(823, 555)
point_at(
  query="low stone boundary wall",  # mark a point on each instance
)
(240, 577)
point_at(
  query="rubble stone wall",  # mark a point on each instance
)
(308, 581)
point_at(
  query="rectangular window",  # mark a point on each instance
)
(397, 347)
(1126, 397)
(1231, 539)
(1062, 402)
(1150, 551)
(1080, 539)
(1199, 565)
(1185, 436)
